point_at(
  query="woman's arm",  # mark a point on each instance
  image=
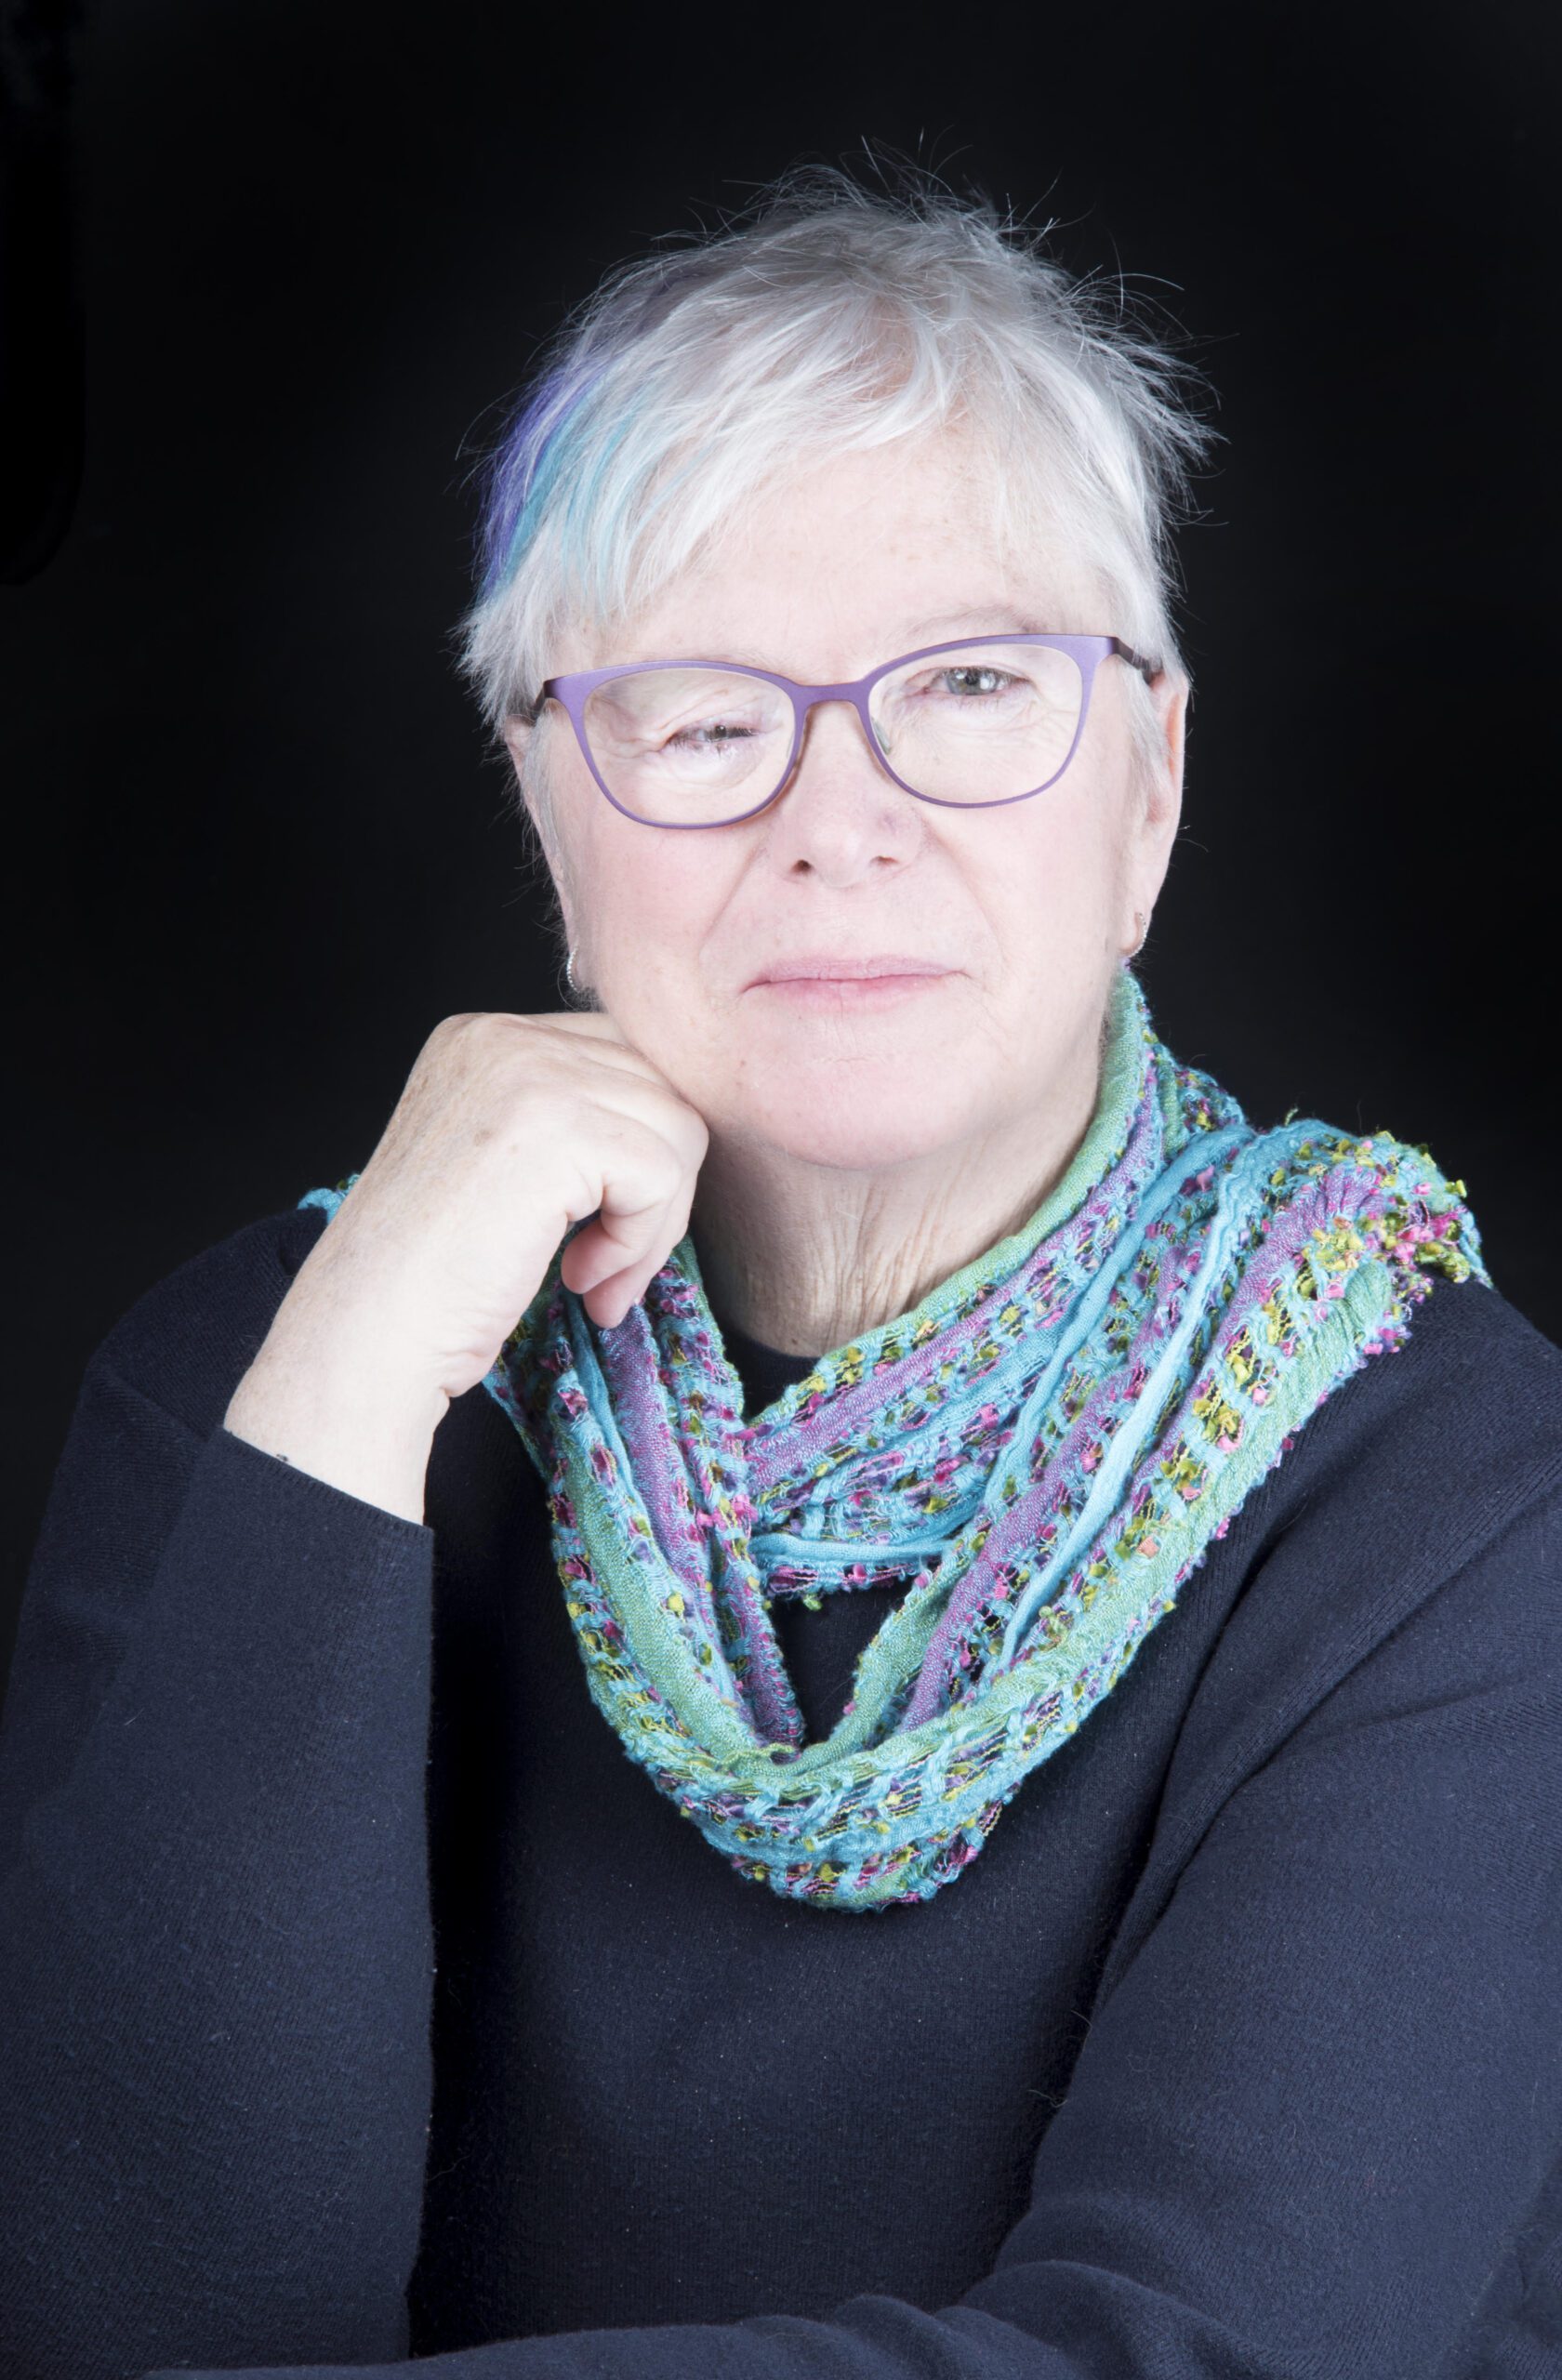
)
(216, 1953)
(1312, 2124)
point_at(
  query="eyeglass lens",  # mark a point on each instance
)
(970, 723)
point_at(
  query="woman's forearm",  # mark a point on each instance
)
(216, 1955)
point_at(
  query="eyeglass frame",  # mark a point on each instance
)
(573, 690)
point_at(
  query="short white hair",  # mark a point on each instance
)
(830, 318)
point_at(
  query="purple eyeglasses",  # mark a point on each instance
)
(742, 726)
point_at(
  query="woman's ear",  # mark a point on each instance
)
(518, 737)
(536, 803)
(1155, 810)
(1162, 807)
(1171, 696)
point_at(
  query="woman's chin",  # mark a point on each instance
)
(857, 1124)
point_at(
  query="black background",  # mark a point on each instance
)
(261, 845)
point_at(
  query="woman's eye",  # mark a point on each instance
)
(707, 735)
(964, 681)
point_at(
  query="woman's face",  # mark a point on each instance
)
(1025, 909)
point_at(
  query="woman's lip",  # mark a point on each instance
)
(850, 991)
(848, 970)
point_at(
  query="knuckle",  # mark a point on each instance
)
(665, 1166)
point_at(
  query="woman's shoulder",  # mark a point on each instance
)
(1402, 1556)
(1467, 1334)
(1464, 1415)
(188, 1340)
(1484, 1312)
(1430, 1472)
(1478, 1359)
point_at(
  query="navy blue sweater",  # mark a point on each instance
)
(361, 2001)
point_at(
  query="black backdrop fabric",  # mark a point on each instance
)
(268, 268)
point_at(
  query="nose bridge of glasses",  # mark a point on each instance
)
(854, 692)
(807, 699)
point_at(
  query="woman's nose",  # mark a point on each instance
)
(839, 810)
(837, 743)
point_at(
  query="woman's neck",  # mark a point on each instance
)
(805, 1258)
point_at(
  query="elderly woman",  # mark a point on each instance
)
(834, 1678)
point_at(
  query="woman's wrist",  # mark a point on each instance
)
(345, 1415)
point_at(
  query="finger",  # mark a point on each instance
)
(592, 1027)
(597, 1257)
(602, 1272)
(587, 1021)
(611, 1047)
(626, 1064)
(610, 1301)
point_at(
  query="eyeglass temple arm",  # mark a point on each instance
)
(1147, 670)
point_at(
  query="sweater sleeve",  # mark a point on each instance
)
(216, 1952)
(1315, 2113)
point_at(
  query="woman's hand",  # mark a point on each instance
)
(510, 1130)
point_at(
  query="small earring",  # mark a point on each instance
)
(1144, 936)
(569, 970)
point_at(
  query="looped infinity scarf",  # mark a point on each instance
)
(1049, 1441)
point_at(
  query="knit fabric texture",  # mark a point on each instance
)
(1046, 1444)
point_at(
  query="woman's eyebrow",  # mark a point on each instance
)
(979, 617)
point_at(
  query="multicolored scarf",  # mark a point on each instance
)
(1049, 1442)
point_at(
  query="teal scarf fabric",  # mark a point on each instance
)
(1048, 1443)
